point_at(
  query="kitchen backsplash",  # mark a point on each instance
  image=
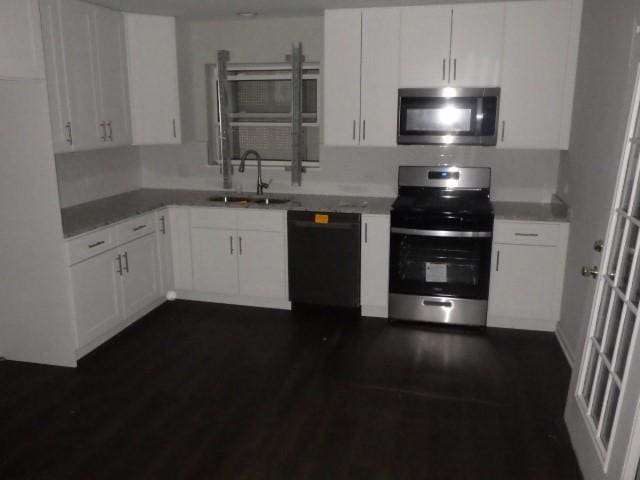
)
(517, 175)
(87, 176)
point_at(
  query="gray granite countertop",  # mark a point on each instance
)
(88, 216)
(532, 212)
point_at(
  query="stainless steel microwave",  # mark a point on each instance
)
(449, 115)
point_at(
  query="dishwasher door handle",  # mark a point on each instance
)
(335, 226)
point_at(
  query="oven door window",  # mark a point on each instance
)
(436, 266)
(438, 116)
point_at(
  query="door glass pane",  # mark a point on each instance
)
(602, 312)
(625, 342)
(609, 415)
(622, 277)
(614, 323)
(628, 184)
(598, 394)
(591, 374)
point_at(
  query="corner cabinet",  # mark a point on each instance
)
(527, 274)
(153, 79)
(21, 46)
(538, 73)
(374, 275)
(361, 51)
(85, 61)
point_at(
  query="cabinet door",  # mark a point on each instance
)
(141, 279)
(523, 286)
(538, 73)
(476, 45)
(380, 63)
(374, 278)
(96, 296)
(78, 52)
(111, 65)
(425, 41)
(164, 250)
(180, 241)
(20, 40)
(153, 79)
(215, 262)
(262, 264)
(57, 86)
(342, 39)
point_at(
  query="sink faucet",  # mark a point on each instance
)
(261, 185)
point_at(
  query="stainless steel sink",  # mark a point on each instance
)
(239, 199)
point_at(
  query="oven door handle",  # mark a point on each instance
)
(441, 233)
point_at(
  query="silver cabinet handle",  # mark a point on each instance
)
(240, 245)
(175, 135)
(231, 244)
(364, 129)
(503, 128)
(444, 64)
(455, 68)
(163, 228)
(498, 261)
(354, 129)
(366, 232)
(104, 131)
(126, 262)
(517, 234)
(94, 245)
(110, 131)
(139, 227)
(69, 137)
(119, 257)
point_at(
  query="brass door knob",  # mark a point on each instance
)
(590, 271)
(598, 245)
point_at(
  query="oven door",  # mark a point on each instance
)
(440, 263)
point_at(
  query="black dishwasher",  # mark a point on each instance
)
(324, 258)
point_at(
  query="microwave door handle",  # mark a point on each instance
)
(479, 115)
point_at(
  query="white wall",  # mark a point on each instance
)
(35, 313)
(87, 176)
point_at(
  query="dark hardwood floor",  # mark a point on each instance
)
(210, 391)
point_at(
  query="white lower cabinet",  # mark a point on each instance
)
(374, 272)
(112, 288)
(527, 274)
(239, 252)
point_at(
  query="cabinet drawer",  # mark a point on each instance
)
(89, 245)
(135, 228)
(261, 220)
(214, 218)
(526, 233)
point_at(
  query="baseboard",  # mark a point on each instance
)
(374, 311)
(521, 323)
(247, 301)
(562, 340)
(93, 344)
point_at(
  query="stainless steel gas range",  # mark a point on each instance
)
(441, 229)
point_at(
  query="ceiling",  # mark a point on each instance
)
(265, 8)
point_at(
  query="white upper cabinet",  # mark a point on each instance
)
(425, 42)
(538, 73)
(361, 76)
(111, 65)
(476, 45)
(21, 45)
(342, 42)
(379, 83)
(86, 75)
(451, 45)
(153, 79)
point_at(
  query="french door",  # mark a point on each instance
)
(608, 381)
